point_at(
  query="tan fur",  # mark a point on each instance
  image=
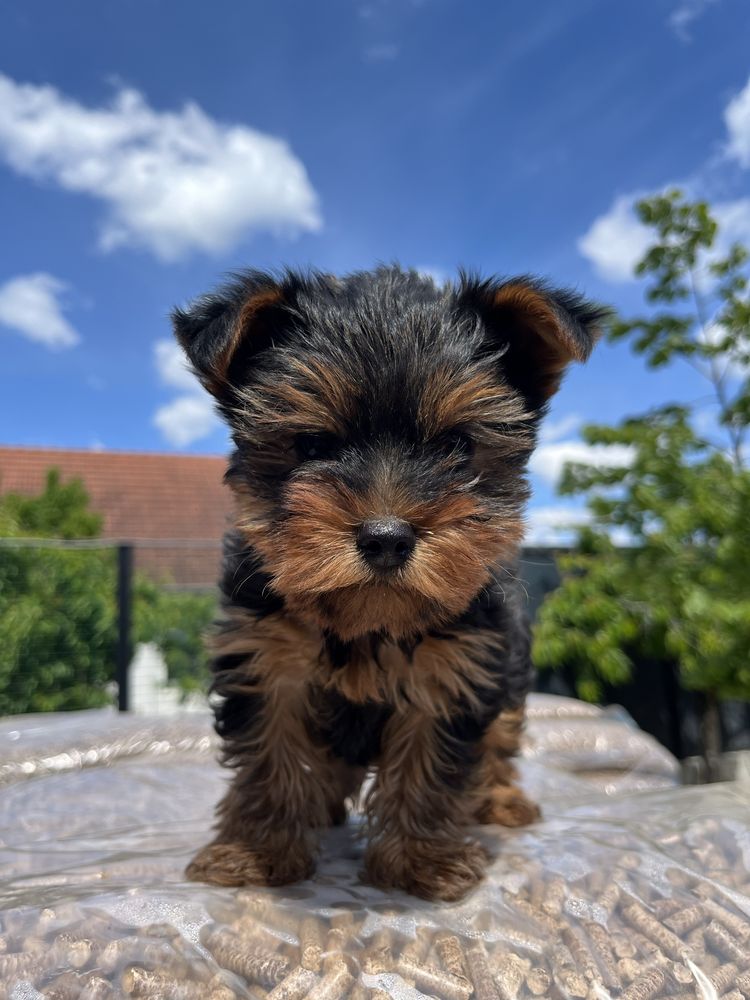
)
(555, 347)
(454, 398)
(502, 801)
(417, 826)
(438, 673)
(321, 400)
(284, 782)
(242, 328)
(315, 564)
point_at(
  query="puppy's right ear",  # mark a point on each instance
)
(223, 331)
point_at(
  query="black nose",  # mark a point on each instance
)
(386, 542)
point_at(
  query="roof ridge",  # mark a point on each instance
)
(57, 449)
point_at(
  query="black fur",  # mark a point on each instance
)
(500, 608)
(353, 732)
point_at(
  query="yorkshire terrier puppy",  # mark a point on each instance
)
(371, 611)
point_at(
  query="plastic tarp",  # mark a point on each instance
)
(629, 887)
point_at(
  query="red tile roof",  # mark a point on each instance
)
(141, 496)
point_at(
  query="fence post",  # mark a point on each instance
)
(124, 620)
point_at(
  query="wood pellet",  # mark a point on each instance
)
(618, 931)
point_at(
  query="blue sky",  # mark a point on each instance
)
(148, 147)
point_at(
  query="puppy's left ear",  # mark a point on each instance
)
(538, 329)
(223, 333)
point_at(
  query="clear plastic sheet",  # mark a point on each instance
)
(630, 895)
(578, 737)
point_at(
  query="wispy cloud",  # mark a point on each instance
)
(186, 419)
(435, 274)
(555, 525)
(32, 305)
(548, 460)
(617, 240)
(172, 182)
(172, 367)
(190, 416)
(553, 430)
(684, 15)
(384, 52)
(737, 121)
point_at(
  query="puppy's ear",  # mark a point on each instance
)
(222, 332)
(538, 329)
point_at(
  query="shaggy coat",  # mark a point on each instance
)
(374, 396)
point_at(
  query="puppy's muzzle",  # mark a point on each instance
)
(386, 543)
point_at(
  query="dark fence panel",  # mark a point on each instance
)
(124, 625)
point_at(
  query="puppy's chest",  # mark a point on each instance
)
(353, 732)
(431, 678)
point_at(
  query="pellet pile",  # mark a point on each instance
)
(573, 908)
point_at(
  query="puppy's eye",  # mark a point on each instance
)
(316, 447)
(457, 443)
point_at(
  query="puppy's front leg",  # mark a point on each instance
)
(282, 787)
(274, 802)
(423, 799)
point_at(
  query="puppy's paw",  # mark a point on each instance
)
(431, 869)
(237, 864)
(509, 806)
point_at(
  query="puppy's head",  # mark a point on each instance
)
(382, 428)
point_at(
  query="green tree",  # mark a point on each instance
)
(61, 510)
(57, 613)
(177, 622)
(677, 586)
(58, 609)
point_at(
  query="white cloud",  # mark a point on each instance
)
(171, 181)
(616, 241)
(190, 416)
(737, 121)
(548, 460)
(734, 221)
(558, 525)
(553, 430)
(733, 367)
(435, 274)
(555, 525)
(172, 367)
(385, 52)
(682, 17)
(186, 419)
(31, 305)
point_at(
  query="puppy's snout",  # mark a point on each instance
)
(386, 543)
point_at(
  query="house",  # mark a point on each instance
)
(173, 508)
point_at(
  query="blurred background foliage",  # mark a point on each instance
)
(58, 609)
(661, 571)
